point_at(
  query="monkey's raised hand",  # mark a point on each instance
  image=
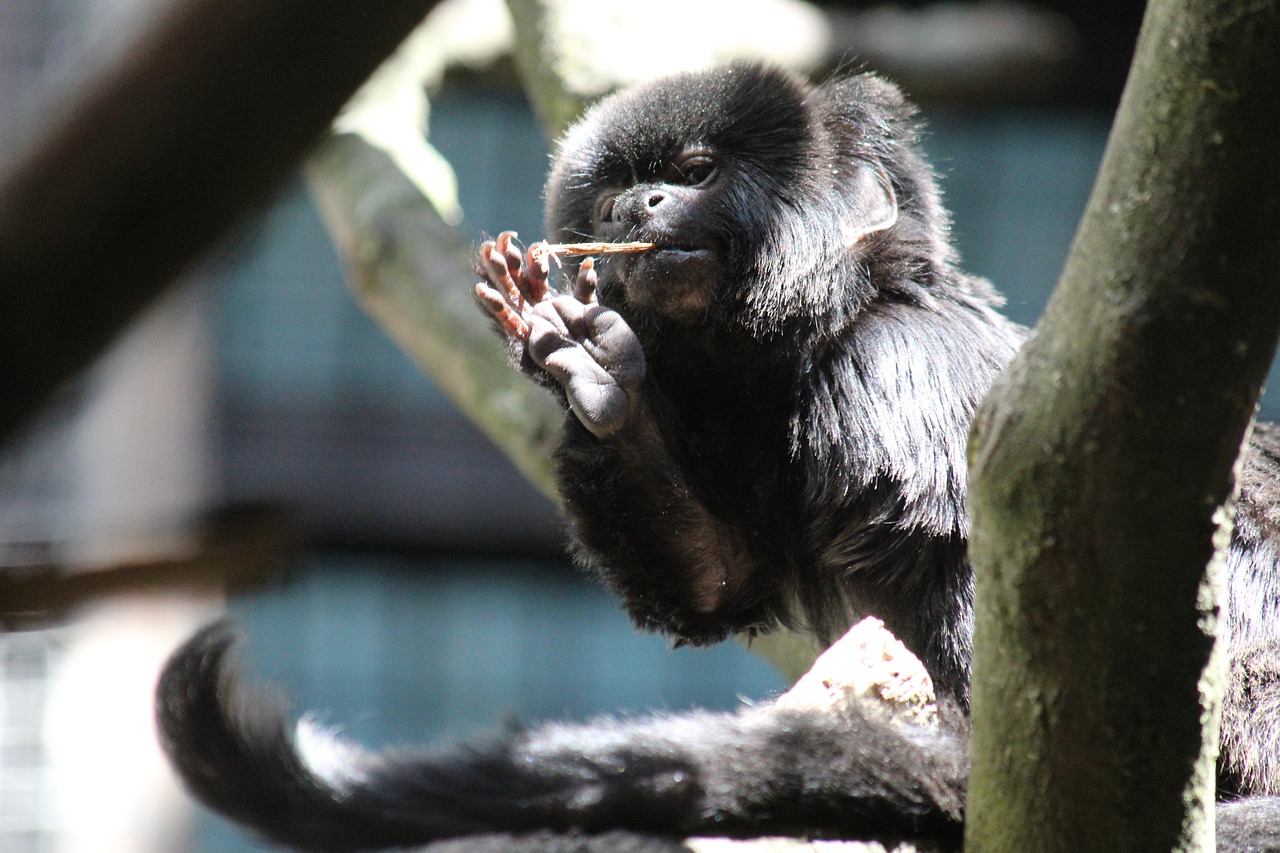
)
(512, 289)
(587, 349)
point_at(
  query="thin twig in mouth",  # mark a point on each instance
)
(571, 250)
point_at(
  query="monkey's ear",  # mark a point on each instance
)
(872, 204)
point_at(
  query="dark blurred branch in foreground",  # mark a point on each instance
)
(192, 127)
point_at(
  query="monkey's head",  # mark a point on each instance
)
(770, 200)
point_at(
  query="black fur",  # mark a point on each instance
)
(759, 770)
(769, 417)
(805, 429)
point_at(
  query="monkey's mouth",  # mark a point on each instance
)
(674, 280)
(670, 258)
(667, 260)
(677, 253)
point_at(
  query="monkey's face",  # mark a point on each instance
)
(674, 210)
(711, 168)
(767, 197)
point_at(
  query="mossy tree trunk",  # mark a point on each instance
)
(1102, 461)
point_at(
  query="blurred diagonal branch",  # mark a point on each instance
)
(192, 127)
(411, 270)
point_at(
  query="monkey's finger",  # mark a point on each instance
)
(496, 270)
(493, 302)
(537, 271)
(485, 248)
(511, 254)
(585, 286)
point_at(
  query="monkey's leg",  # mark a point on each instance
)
(1251, 723)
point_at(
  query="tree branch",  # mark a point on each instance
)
(197, 123)
(1103, 458)
(411, 270)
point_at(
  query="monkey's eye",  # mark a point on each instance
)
(605, 211)
(695, 169)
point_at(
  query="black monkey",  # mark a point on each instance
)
(769, 412)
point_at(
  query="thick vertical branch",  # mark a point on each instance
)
(1102, 461)
(200, 120)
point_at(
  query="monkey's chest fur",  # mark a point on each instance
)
(807, 515)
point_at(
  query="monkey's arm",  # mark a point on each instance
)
(757, 772)
(638, 519)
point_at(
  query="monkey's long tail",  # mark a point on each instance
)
(758, 771)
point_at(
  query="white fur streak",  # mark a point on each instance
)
(328, 757)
